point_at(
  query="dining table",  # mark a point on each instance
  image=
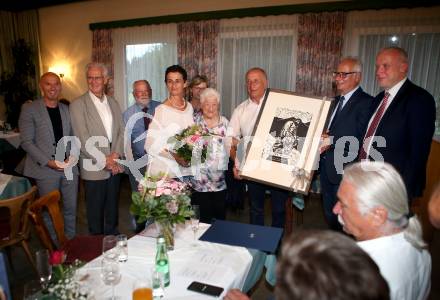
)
(191, 260)
(9, 141)
(13, 186)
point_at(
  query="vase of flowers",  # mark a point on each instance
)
(190, 146)
(164, 200)
(166, 229)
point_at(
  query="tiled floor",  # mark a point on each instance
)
(312, 218)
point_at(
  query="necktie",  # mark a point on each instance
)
(373, 126)
(338, 110)
(146, 119)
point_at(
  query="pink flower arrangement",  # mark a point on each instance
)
(172, 207)
(192, 141)
(162, 199)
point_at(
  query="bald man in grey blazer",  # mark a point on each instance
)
(97, 120)
(43, 123)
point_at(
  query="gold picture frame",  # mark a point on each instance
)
(284, 149)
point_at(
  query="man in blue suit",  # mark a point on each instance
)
(401, 128)
(349, 117)
(138, 126)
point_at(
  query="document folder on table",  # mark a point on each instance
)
(245, 235)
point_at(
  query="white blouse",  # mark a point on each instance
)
(167, 121)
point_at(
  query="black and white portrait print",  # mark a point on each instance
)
(286, 136)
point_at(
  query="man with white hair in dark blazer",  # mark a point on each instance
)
(97, 120)
(348, 122)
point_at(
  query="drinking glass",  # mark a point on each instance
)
(157, 283)
(43, 267)
(142, 289)
(110, 247)
(122, 247)
(6, 128)
(110, 274)
(195, 219)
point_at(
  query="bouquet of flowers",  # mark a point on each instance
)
(191, 142)
(164, 200)
(65, 285)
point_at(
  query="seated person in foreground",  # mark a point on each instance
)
(373, 207)
(321, 265)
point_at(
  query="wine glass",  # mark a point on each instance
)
(110, 247)
(195, 219)
(43, 267)
(110, 273)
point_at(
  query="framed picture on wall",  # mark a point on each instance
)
(285, 145)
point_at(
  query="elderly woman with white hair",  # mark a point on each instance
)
(209, 182)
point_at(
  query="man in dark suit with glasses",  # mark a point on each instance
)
(349, 117)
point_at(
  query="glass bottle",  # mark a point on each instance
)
(162, 262)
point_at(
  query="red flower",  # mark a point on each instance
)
(195, 138)
(57, 257)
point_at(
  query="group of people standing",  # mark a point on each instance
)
(396, 127)
(372, 166)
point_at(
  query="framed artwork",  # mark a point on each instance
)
(285, 145)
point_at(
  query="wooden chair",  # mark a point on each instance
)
(15, 226)
(84, 248)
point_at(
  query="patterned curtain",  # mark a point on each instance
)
(197, 48)
(320, 40)
(102, 52)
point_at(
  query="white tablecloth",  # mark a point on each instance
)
(4, 180)
(13, 138)
(220, 265)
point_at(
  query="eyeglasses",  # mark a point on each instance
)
(343, 75)
(97, 78)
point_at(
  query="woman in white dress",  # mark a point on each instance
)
(170, 118)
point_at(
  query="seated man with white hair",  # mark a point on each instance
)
(373, 207)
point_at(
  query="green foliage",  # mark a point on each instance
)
(192, 142)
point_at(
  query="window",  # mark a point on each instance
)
(268, 43)
(148, 61)
(415, 30)
(424, 61)
(143, 52)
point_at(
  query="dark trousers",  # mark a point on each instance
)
(236, 189)
(329, 199)
(212, 205)
(102, 197)
(257, 192)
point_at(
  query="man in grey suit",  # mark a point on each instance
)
(43, 123)
(97, 122)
